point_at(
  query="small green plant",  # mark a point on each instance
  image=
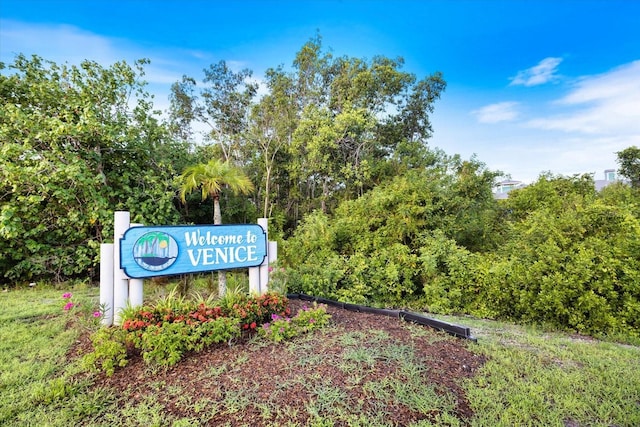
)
(217, 331)
(165, 344)
(283, 328)
(309, 319)
(109, 351)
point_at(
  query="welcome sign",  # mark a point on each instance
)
(168, 250)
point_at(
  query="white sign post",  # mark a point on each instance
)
(120, 280)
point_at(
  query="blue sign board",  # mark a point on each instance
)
(167, 250)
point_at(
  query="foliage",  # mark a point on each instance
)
(447, 271)
(256, 310)
(306, 320)
(76, 143)
(165, 331)
(370, 251)
(225, 98)
(573, 267)
(555, 252)
(109, 351)
(211, 178)
(629, 162)
(166, 344)
(327, 130)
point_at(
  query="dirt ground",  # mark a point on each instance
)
(258, 383)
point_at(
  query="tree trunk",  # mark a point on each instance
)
(217, 220)
(266, 195)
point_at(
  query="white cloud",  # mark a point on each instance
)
(72, 45)
(59, 43)
(495, 113)
(69, 44)
(605, 104)
(542, 73)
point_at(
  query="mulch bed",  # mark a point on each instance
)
(270, 377)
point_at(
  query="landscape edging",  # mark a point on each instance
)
(407, 316)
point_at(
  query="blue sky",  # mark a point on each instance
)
(533, 86)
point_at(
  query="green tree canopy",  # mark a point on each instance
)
(76, 143)
(629, 162)
(328, 129)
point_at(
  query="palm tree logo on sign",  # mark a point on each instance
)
(155, 251)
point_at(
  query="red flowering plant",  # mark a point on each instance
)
(256, 310)
(249, 311)
(143, 317)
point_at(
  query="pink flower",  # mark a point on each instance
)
(68, 306)
(67, 295)
(97, 314)
(270, 269)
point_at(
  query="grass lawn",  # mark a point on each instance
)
(531, 376)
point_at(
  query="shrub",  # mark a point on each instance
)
(254, 311)
(306, 320)
(165, 345)
(109, 351)
(164, 332)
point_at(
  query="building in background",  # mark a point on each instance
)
(502, 189)
(610, 176)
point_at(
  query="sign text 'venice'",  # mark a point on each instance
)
(167, 250)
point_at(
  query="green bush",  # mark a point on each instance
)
(319, 277)
(562, 255)
(164, 332)
(447, 272)
(569, 263)
(306, 320)
(165, 345)
(109, 351)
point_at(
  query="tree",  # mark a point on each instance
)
(223, 105)
(363, 110)
(76, 143)
(211, 178)
(271, 126)
(328, 130)
(629, 161)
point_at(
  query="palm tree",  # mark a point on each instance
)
(211, 178)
